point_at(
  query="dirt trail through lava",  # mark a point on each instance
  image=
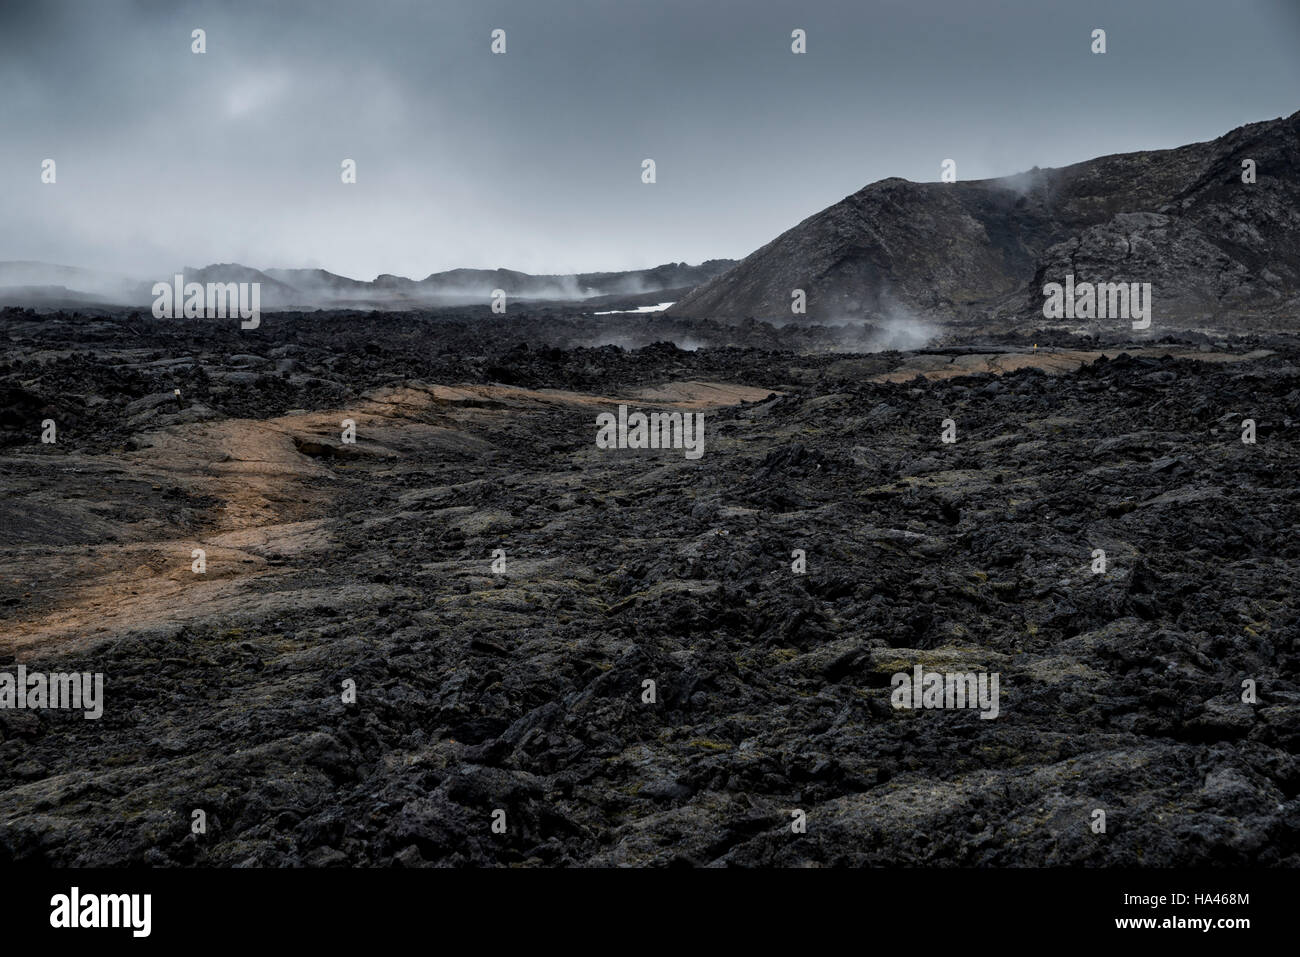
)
(269, 495)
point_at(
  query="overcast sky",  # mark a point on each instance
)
(532, 159)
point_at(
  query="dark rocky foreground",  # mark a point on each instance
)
(372, 563)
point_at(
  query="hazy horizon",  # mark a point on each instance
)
(531, 160)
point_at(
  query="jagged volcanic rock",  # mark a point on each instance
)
(522, 689)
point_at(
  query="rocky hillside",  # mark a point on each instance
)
(1213, 247)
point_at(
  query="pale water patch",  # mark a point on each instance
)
(614, 312)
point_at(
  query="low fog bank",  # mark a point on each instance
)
(48, 286)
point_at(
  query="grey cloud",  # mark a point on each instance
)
(532, 160)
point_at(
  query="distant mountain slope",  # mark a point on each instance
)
(42, 283)
(273, 292)
(477, 285)
(1181, 219)
(53, 286)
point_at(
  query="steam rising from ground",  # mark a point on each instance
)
(902, 332)
(897, 328)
